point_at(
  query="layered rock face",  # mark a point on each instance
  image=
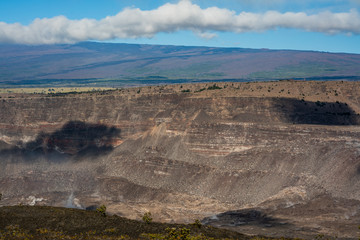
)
(281, 148)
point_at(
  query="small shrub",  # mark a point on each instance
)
(214, 87)
(320, 104)
(323, 237)
(200, 90)
(152, 236)
(102, 210)
(197, 223)
(14, 232)
(174, 233)
(147, 218)
(187, 90)
(110, 230)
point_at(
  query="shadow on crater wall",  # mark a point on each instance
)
(74, 140)
(241, 218)
(321, 113)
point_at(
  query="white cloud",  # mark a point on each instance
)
(277, 2)
(206, 35)
(184, 15)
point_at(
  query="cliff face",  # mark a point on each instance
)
(271, 146)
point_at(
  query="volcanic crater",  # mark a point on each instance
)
(275, 158)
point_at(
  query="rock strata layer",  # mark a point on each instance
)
(286, 154)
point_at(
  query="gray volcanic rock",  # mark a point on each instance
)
(288, 151)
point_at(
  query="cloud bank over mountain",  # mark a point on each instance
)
(184, 15)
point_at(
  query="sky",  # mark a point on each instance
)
(321, 25)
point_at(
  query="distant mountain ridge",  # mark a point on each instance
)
(117, 63)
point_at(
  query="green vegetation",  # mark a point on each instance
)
(320, 104)
(38, 223)
(181, 233)
(45, 223)
(14, 232)
(102, 210)
(200, 90)
(197, 223)
(147, 218)
(214, 87)
(187, 90)
(59, 90)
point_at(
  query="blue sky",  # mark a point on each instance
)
(321, 25)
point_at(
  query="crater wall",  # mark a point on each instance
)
(184, 155)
